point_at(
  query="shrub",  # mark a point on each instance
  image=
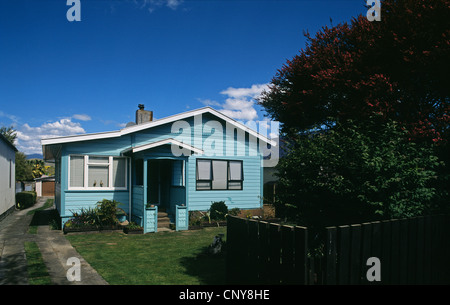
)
(195, 218)
(103, 215)
(234, 211)
(107, 210)
(25, 199)
(218, 210)
(85, 218)
(356, 172)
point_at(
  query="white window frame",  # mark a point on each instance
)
(86, 163)
(210, 181)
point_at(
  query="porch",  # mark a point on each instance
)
(158, 193)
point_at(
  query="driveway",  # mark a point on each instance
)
(54, 247)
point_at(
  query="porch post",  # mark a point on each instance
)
(130, 189)
(144, 179)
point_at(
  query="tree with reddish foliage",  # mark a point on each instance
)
(397, 67)
(365, 118)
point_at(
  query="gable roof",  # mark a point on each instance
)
(151, 124)
(2, 137)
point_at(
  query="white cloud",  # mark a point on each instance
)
(12, 117)
(82, 117)
(173, 4)
(29, 138)
(254, 91)
(152, 5)
(240, 104)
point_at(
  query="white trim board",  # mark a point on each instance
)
(136, 128)
(167, 141)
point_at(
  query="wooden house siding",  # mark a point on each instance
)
(209, 134)
(70, 201)
(138, 208)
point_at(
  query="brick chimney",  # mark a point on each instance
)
(143, 116)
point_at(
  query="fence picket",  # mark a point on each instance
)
(252, 258)
(274, 253)
(263, 247)
(386, 250)
(331, 256)
(344, 255)
(446, 249)
(376, 245)
(403, 251)
(301, 255)
(355, 254)
(366, 241)
(420, 250)
(441, 250)
(287, 254)
(427, 253)
(435, 253)
(232, 272)
(395, 254)
(412, 251)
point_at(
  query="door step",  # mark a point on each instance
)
(163, 221)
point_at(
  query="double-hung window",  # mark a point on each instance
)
(97, 172)
(219, 174)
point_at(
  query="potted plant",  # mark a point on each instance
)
(121, 215)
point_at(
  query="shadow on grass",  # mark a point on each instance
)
(208, 268)
(45, 218)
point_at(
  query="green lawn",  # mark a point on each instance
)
(37, 271)
(166, 258)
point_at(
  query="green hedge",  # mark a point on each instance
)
(25, 199)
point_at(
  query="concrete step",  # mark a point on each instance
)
(163, 220)
(164, 225)
(165, 230)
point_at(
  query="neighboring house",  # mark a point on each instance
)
(45, 186)
(187, 160)
(7, 176)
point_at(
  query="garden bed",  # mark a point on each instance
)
(208, 225)
(133, 230)
(224, 223)
(93, 229)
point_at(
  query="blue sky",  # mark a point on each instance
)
(60, 78)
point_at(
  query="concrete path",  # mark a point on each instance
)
(54, 247)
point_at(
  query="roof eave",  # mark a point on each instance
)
(136, 128)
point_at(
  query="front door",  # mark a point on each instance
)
(158, 190)
(165, 186)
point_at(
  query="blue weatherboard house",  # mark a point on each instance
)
(176, 164)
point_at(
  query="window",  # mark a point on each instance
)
(98, 171)
(235, 175)
(95, 172)
(178, 173)
(219, 181)
(204, 175)
(219, 175)
(76, 171)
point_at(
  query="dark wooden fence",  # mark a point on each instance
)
(410, 251)
(265, 253)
